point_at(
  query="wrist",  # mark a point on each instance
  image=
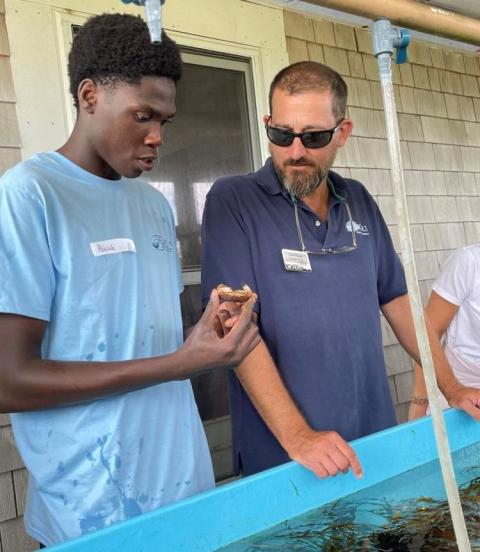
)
(451, 390)
(185, 365)
(417, 410)
(295, 439)
(421, 400)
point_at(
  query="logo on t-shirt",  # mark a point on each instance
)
(161, 243)
(361, 229)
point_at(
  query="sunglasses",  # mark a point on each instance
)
(312, 139)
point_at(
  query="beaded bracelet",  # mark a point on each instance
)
(419, 400)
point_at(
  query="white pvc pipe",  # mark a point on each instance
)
(446, 464)
(153, 11)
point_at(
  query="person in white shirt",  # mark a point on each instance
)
(454, 312)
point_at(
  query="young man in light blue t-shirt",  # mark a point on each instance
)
(92, 359)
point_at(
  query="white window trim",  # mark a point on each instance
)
(256, 57)
(64, 21)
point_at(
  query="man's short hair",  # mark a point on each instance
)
(112, 48)
(306, 76)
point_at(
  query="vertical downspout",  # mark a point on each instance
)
(153, 12)
(385, 38)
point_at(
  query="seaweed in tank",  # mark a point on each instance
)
(420, 525)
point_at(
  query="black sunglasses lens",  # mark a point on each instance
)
(279, 137)
(313, 140)
(317, 139)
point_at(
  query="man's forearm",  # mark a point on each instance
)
(446, 379)
(263, 384)
(399, 315)
(447, 382)
(323, 452)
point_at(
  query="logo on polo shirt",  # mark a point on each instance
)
(361, 229)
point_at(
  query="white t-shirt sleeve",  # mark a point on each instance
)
(456, 282)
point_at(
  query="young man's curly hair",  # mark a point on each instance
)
(113, 48)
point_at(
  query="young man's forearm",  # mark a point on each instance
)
(28, 382)
(260, 379)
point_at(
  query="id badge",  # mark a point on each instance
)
(296, 261)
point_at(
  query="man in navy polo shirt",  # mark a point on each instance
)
(315, 248)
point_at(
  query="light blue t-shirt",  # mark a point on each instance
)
(97, 259)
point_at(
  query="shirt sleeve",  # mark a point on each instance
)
(226, 251)
(456, 281)
(27, 276)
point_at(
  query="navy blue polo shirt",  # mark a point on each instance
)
(322, 327)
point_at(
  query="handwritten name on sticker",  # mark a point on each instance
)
(110, 247)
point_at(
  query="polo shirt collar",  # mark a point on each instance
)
(338, 191)
(268, 180)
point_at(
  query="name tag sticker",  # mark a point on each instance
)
(110, 247)
(296, 261)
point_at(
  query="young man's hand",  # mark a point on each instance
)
(228, 315)
(223, 336)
